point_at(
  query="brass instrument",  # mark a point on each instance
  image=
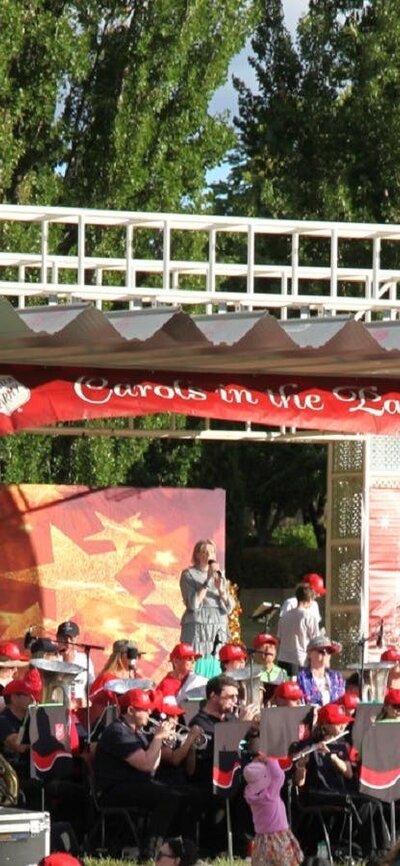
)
(57, 677)
(178, 736)
(315, 746)
(9, 784)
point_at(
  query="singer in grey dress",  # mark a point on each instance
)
(208, 601)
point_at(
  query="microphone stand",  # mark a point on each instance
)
(361, 643)
(87, 647)
(250, 653)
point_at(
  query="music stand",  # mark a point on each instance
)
(264, 612)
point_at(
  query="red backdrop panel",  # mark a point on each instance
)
(384, 562)
(108, 559)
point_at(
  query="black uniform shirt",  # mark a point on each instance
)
(118, 741)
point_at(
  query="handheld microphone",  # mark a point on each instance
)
(212, 562)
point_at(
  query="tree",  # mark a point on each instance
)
(105, 102)
(320, 138)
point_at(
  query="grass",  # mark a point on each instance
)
(110, 861)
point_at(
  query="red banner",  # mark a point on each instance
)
(35, 396)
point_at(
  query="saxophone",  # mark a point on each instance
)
(9, 785)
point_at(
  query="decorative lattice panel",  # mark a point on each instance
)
(385, 456)
(345, 628)
(346, 576)
(346, 508)
(348, 457)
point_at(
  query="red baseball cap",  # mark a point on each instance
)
(184, 651)
(261, 640)
(289, 690)
(232, 652)
(333, 714)
(349, 700)
(315, 581)
(137, 698)
(392, 654)
(171, 708)
(392, 697)
(10, 652)
(60, 858)
(17, 687)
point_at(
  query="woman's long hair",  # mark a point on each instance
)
(114, 663)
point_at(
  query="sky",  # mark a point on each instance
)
(225, 98)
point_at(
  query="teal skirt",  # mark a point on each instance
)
(208, 667)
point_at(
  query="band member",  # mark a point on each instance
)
(266, 646)
(178, 761)
(11, 660)
(232, 657)
(120, 665)
(40, 648)
(182, 679)
(391, 707)
(125, 763)
(178, 758)
(324, 771)
(288, 694)
(67, 634)
(221, 701)
(17, 698)
(392, 654)
(319, 683)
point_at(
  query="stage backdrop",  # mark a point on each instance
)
(108, 559)
(384, 566)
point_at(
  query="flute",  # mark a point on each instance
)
(314, 747)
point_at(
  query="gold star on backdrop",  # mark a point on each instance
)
(123, 535)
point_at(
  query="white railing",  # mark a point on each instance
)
(32, 263)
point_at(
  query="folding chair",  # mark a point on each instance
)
(108, 821)
(321, 812)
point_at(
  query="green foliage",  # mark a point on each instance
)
(106, 103)
(292, 536)
(26, 458)
(320, 137)
(275, 565)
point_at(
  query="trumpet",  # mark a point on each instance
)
(177, 737)
(314, 747)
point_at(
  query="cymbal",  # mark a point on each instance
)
(53, 666)
(246, 673)
(122, 686)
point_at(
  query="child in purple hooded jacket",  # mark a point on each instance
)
(274, 842)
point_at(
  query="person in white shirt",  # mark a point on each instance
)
(316, 582)
(67, 633)
(295, 630)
